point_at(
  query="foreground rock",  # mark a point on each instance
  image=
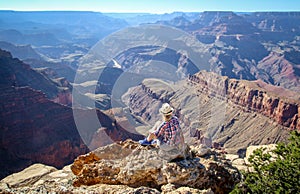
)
(40, 178)
(130, 164)
(29, 175)
(127, 167)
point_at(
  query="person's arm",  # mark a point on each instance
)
(156, 134)
(151, 136)
(176, 131)
(173, 131)
(154, 131)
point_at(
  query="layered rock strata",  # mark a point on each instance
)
(277, 103)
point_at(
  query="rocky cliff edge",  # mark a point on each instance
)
(127, 167)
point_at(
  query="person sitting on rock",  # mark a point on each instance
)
(168, 135)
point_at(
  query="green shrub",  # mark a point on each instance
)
(275, 172)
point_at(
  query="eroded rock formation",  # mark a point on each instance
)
(128, 163)
(277, 103)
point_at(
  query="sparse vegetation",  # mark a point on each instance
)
(274, 172)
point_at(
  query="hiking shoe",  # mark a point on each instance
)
(145, 142)
(155, 142)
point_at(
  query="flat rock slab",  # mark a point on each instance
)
(28, 176)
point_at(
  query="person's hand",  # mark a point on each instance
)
(152, 136)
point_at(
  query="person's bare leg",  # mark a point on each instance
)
(151, 136)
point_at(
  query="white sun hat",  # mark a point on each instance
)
(166, 109)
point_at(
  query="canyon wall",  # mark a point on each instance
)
(34, 129)
(277, 103)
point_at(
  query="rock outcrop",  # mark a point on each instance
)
(128, 163)
(40, 178)
(110, 169)
(127, 167)
(28, 176)
(134, 57)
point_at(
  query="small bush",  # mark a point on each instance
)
(274, 172)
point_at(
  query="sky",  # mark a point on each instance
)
(151, 6)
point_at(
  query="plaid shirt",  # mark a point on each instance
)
(168, 131)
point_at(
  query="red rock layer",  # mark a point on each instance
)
(35, 129)
(277, 103)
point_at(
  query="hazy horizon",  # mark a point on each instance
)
(151, 6)
(132, 14)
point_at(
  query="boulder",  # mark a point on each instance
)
(231, 157)
(237, 162)
(200, 150)
(251, 149)
(240, 164)
(171, 189)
